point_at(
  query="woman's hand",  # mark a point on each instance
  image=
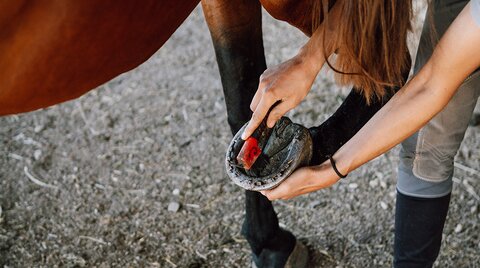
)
(287, 83)
(304, 180)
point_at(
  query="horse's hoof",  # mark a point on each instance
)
(299, 256)
(288, 148)
(297, 259)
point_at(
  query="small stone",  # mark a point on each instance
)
(373, 183)
(141, 167)
(383, 205)
(315, 203)
(75, 261)
(176, 191)
(353, 185)
(37, 154)
(379, 175)
(173, 206)
(473, 209)
(38, 128)
(458, 228)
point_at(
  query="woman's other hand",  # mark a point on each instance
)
(304, 180)
(287, 83)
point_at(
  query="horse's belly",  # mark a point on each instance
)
(297, 13)
(53, 51)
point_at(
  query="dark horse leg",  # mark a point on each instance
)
(236, 29)
(238, 43)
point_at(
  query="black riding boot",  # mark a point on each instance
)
(418, 230)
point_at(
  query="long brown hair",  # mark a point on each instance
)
(371, 41)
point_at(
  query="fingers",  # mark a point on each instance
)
(262, 88)
(256, 98)
(291, 187)
(260, 112)
(302, 181)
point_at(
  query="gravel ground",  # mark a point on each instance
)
(88, 183)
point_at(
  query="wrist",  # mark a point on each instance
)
(334, 167)
(311, 61)
(343, 162)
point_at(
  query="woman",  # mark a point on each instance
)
(424, 179)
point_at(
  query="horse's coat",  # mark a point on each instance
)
(52, 51)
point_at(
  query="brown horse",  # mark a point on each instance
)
(56, 50)
(53, 51)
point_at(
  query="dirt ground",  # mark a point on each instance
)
(88, 183)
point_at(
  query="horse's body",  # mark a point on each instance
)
(53, 51)
(56, 50)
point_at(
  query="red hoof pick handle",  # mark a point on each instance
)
(249, 153)
(253, 146)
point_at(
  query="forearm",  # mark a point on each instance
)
(347, 120)
(410, 109)
(322, 42)
(454, 58)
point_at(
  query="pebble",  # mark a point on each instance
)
(458, 228)
(176, 191)
(141, 167)
(315, 203)
(373, 183)
(383, 205)
(173, 206)
(353, 185)
(37, 154)
(38, 128)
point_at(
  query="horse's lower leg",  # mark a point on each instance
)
(262, 230)
(236, 30)
(53, 51)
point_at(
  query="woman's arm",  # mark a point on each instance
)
(455, 57)
(290, 81)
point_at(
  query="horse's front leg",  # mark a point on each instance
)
(236, 29)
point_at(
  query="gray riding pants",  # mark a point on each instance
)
(427, 157)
